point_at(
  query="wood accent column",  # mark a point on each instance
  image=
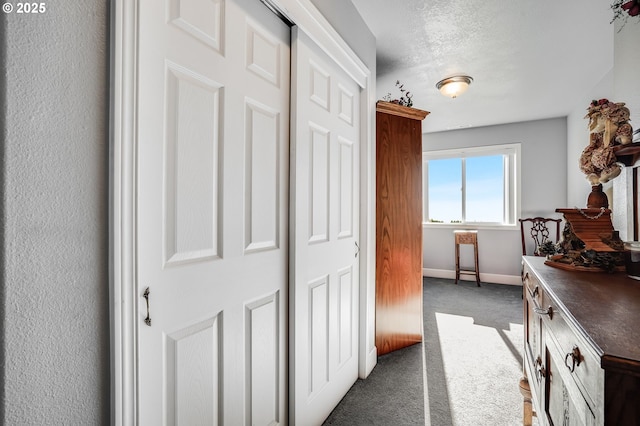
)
(398, 226)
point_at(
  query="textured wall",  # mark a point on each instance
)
(55, 316)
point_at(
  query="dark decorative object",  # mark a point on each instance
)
(597, 199)
(406, 97)
(633, 259)
(589, 242)
(627, 154)
(547, 248)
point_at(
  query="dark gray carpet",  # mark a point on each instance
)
(473, 351)
(393, 394)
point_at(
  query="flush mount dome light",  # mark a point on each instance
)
(454, 86)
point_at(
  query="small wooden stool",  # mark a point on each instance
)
(467, 237)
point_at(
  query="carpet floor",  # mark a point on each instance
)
(464, 373)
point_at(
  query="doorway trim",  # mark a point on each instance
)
(122, 191)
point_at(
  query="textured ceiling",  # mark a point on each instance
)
(529, 59)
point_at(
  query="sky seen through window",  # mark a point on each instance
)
(485, 185)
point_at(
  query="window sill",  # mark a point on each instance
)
(492, 226)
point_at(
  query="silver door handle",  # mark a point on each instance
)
(147, 320)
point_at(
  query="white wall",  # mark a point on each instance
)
(55, 317)
(346, 20)
(626, 89)
(543, 189)
(627, 68)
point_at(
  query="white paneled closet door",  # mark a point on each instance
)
(325, 225)
(212, 213)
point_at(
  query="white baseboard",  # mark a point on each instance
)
(371, 361)
(486, 278)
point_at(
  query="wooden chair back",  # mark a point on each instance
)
(539, 229)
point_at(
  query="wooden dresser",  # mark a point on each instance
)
(581, 346)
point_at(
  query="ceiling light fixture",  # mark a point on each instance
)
(454, 86)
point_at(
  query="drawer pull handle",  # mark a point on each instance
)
(536, 291)
(575, 359)
(541, 311)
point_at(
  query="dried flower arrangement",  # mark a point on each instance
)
(622, 9)
(405, 96)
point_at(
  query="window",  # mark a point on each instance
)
(476, 186)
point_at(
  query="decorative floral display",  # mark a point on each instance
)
(608, 127)
(622, 9)
(405, 96)
(615, 112)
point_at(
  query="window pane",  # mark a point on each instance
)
(485, 189)
(445, 185)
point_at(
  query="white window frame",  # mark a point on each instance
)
(511, 184)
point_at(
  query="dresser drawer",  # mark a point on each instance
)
(532, 297)
(532, 330)
(531, 284)
(564, 404)
(575, 355)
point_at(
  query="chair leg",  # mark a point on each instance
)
(475, 253)
(457, 262)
